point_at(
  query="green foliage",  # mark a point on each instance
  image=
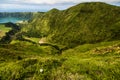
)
(32, 30)
(84, 23)
(23, 60)
(11, 34)
(29, 69)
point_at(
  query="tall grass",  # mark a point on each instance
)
(23, 61)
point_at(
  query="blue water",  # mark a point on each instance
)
(10, 19)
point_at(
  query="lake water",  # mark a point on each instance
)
(11, 19)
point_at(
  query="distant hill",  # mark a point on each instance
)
(64, 51)
(25, 15)
(84, 23)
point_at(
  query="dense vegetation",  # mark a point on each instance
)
(83, 23)
(80, 43)
(11, 34)
(23, 61)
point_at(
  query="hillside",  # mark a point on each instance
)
(84, 23)
(58, 45)
(26, 61)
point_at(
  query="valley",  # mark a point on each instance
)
(79, 43)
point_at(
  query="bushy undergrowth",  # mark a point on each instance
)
(26, 61)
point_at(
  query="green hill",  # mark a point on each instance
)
(23, 58)
(84, 23)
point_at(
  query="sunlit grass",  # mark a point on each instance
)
(79, 63)
(3, 30)
(32, 39)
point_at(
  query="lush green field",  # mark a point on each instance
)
(23, 61)
(79, 43)
(3, 30)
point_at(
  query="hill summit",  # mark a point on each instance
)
(84, 23)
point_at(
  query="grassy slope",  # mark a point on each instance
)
(87, 62)
(3, 30)
(83, 23)
(32, 30)
(23, 60)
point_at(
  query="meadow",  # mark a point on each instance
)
(24, 60)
